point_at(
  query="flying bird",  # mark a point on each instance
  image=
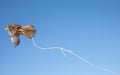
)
(15, 30)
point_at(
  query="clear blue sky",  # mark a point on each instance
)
(91, 28)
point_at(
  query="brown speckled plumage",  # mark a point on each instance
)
(16, 30)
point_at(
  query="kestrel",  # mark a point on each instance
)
(15, 30)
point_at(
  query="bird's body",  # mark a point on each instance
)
(16, 30)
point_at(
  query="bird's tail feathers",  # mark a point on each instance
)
(29, 31)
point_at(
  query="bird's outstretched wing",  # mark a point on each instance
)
(15, 39)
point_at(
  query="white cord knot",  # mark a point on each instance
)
(63, 51)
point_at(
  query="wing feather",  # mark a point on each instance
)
(15, 40)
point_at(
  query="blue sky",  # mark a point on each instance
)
(91, 28)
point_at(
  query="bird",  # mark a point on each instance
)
(15, 30)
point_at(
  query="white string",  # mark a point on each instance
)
(50, 48)
(63, 50)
